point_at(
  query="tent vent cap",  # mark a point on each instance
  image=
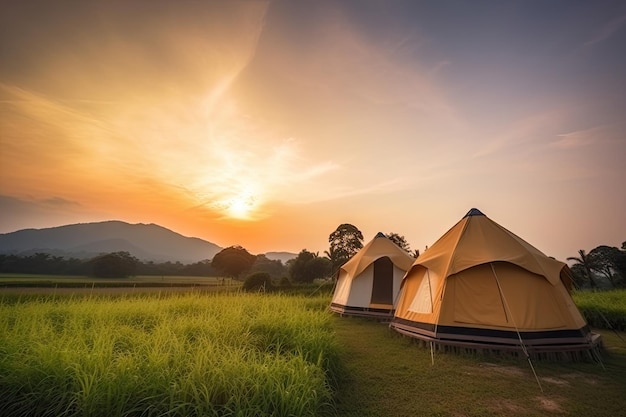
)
(379, 234)
(474, 212)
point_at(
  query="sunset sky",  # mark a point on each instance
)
(268, 124)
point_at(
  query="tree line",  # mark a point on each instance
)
(602, 267)
(115, 263)
(234, 261)
(344, 242)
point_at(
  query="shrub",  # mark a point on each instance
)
(258, 281)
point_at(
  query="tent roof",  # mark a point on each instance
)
(476, 240)
(378, 247)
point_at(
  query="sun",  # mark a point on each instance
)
(240, 206)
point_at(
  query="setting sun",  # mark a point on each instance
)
(240, 206)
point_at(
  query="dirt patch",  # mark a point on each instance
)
(549, 404)
(503, 370)
(555, 381)
(578, 377)
(508, 407)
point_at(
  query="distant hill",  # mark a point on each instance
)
(147, 242)
(281, 256)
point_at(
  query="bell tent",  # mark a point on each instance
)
(482, 287)
(368, 283)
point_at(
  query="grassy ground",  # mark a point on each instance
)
(387, 374)
(32, 280)
(190, 354)
(606, 309)
(30, 284)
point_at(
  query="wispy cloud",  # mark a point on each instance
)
(594, 136)
(607, 31)
(60, 202)
(529, 129)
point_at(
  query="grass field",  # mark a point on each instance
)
(44, 281)
(389, 375)
(233, 354)
(26, 284)
(604, 309)
(179, 355)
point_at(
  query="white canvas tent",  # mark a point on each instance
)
(368, 284)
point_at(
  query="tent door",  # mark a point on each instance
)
(382, 288)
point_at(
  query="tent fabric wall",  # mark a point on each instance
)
(481, 284)
(355, 292)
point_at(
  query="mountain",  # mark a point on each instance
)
(147, 242)
(281, 256)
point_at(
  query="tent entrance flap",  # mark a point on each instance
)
(382, 288)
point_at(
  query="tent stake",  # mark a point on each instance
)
(432, 354)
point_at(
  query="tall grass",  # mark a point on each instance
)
(603, 309)
(180, 355)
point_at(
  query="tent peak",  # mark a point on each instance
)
(474, 212)
(379, 234)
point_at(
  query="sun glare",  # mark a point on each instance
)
(240, 206)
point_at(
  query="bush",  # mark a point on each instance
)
(258, 281)
(284, 282)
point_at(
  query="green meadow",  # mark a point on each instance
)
(177, 355)
(234, 354)
(51, 281)
(603, 309)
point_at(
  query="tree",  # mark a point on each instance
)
(319, 267)
(274, 267)
(233, 261)
(579, 275)
(620, 264)
(586, 264)
(114, 265)
(345, 241)
(400, 241)
(603, 259)
(201, 268)
(308, 266)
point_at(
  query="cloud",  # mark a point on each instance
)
(528, 129)
(150, 121)
(59, 202)
(594, 136)
(607, 31)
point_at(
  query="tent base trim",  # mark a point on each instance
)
(590, 344)
(361, 311)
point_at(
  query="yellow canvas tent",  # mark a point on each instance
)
(482, 286)
(368, 284)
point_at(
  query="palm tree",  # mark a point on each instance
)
(585, 261)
